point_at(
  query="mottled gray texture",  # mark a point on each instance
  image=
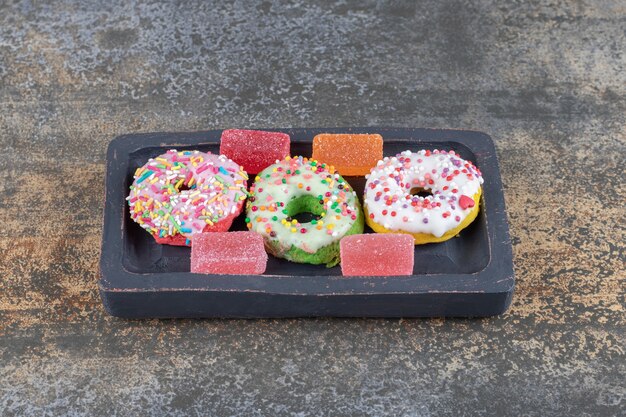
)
(545, 78)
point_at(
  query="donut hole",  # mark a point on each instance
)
(305, 217)
(183, 187)
(421, 192)
(304, 209)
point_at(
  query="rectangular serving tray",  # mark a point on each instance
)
(467, 276)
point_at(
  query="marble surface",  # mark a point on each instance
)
(545, 78)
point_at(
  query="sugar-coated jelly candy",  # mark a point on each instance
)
(350, 154)
(377, 254)
(238, 253)
(255, 150)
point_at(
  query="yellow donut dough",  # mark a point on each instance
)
(421, 238)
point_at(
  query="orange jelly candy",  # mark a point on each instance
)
(350, 154)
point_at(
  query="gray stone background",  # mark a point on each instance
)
(545, 78)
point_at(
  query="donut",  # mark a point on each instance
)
(179, 194)
(452, 185)
(297, 185)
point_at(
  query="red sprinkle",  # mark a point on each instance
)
(466, 202)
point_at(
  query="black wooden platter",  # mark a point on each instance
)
(467, 276)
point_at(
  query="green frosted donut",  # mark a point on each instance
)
(299, 185)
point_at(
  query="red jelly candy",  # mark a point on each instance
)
(255, 150)
(233, 253)
(377, 254)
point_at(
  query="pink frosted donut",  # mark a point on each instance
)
(179, 194)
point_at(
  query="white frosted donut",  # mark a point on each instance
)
(455, 185)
